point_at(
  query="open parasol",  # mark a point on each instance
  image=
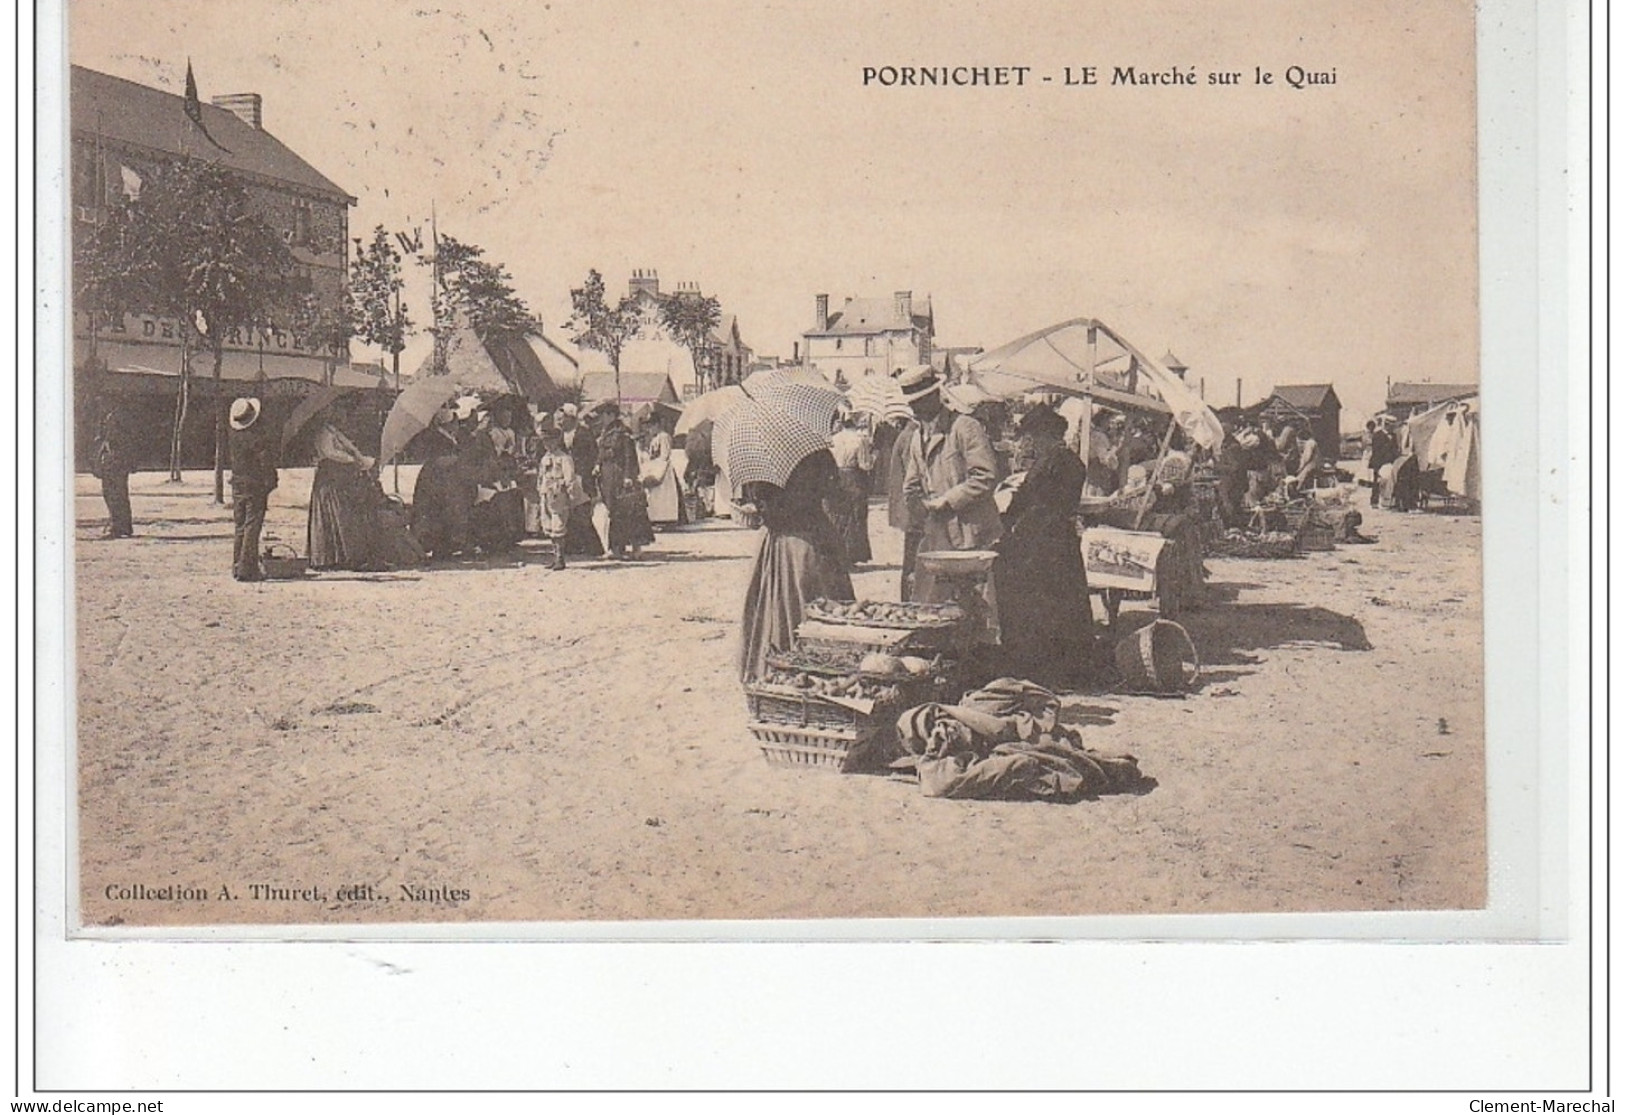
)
(310, 406)
(878, 396)
(781, 421)
(763, 442)
(414, 409)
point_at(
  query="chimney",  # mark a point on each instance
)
(245, 106)
(644, 280)
(821, 314)
(905, 305)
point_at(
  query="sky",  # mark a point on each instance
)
(1261, 232)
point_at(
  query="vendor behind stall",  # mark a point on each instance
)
(1044, 618)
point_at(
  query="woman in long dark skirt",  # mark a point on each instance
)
(1045, 624)
(443, 496)
(799, 559)
(620, 481)
(344, 498)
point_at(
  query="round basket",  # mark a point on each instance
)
(1158, 659)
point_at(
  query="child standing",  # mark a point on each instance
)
(558, 486)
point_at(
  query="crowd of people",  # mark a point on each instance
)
(1011, 483)
(492, 473)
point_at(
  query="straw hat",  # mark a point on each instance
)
(919, 382)
(244, 413)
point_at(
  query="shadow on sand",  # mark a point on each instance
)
(1229, 635)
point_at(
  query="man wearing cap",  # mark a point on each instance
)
(253, 479)
(950, 469)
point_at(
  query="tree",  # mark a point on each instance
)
(691, 319)
(377, 314)
(190, 249)
(597, 325)
(470, 290)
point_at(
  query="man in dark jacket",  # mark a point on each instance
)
(253, 479)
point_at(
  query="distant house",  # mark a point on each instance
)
(636, 388)
(869, 336)
(1315, 403)
(653, 350)
(1406, 399)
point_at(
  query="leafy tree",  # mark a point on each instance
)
(191, 249)
(471, 290)
(597, 325)
(377, 314)
(691, 319)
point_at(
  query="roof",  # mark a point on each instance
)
(127, 112)
(872, 315)
(727, 328)
(636, 387)
(501, 364)
(1426, 394)
(1306, 396)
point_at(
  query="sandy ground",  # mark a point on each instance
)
(532, 745)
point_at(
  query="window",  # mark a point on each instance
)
(302, 224)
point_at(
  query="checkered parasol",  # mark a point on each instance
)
(765, 438)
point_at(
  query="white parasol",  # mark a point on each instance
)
(414, 409)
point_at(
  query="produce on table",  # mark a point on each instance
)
(849, 685)
(885, 613)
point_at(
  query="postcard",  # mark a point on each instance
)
(633, 464)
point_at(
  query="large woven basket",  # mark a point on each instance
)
(1158, 659)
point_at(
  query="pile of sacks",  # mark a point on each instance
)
(1005, 741)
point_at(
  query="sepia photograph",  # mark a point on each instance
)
(726, 462)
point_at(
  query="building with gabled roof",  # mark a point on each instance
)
(869, 336)
(121, 133)
(1406, 399)
(1316, 404)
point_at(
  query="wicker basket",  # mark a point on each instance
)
(784, 746)
(772, 704)
(1269, 545)
(1317, 536)
(281, 563)
(850, 638)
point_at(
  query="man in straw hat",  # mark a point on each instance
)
(253, 479)
(950, 469)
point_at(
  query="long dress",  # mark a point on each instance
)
(581, 537)
(442, 499)
(621, 488)
(1045, 624)
(342, 527)
(797, 560)
(665, 496)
